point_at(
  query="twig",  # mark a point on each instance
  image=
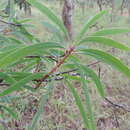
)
(18, 25)
(49, 57)
(117, 105)
(4, 84)
(73, 70)
(4, 16)
(56, 75)
(59, 63)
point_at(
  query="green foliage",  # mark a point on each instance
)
(107, 58)
(18, 52)
(79, 104)
(89, 23)
(21, 52)
(113, 31)
(90, 73)
(40, 110)
(50, 15)
(11, 112)
(105, 41)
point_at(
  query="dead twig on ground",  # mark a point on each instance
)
(117, 105)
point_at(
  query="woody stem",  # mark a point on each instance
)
(59, 63)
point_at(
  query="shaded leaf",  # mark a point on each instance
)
(49, 14)
(11, 112)
(40, 110)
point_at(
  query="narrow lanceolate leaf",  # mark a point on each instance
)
(79, 104)
(109, 59)
(105, 41)
(95, 78)
(7, 78)
(24, 51)
(112, 31)
(90, 23)
(46, 11)
(53, 29)
(11, 112)
(7, 50)
(41, 109)
(87, 99)
(20, 84)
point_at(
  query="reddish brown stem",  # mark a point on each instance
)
(67, 54)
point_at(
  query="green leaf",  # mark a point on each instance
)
(11, 112)
(89, 23)
(54, 30)
(9, 99)
(109, 59)
(7, 50)
(49, 14)
(105, 41)
(7, 78)
(40, 110)
(16, 41)
(79, 104)
(87, 99)
(111, 31)
(95, 78)
(20, 84)
(24, 51)
(21, 75)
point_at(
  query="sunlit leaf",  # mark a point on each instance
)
(87, 99)
(109, 59)
(89, 23)
(111, 31)
(20, 84)
(79, 104)
(105, 41)
(95, 78)
(24, 51)
(7, 78)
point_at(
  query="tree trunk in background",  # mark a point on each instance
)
(67, 16)
(122, 6)
(82, 4)
(113, 4)
(99, 2)
(113, 8)
(129, 11)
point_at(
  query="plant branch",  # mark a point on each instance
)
(117, 105)
(56, 75)
(4, 84)
(67, 54)
(18, 25)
